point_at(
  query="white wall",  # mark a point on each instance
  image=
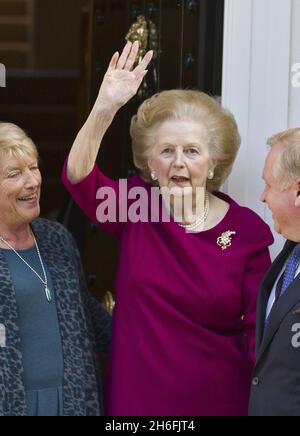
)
(261, 43)
(294, 113)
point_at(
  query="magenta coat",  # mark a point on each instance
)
(184, 322)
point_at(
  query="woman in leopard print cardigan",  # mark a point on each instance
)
(83, 327)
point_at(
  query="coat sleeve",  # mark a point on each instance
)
(257, 263)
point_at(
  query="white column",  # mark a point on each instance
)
(260, 39)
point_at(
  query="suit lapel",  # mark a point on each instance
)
(281, 307)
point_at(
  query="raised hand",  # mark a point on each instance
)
(121, 82)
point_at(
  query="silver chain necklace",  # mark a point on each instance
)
(45, 281)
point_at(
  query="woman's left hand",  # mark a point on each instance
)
(121, 82)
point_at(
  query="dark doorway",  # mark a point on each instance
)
(56, 53)
(40, 45)
(187, 36)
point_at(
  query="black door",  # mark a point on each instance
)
(187, 37)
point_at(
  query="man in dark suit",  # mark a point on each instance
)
(276, 379)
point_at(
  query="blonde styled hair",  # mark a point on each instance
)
(14, 142)
(288, 165)
(224, 138)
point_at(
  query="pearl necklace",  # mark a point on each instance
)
(45, 281)
(199, 223)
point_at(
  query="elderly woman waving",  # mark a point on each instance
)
(186, 290)
(49, 326)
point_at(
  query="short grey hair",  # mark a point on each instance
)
(288, 165)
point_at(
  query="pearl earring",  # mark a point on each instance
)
(211, 175)
(153, 176)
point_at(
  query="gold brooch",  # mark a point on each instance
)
(224, 241)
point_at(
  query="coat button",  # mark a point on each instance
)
(255, 381)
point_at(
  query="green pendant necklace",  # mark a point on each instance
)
(48, 292)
